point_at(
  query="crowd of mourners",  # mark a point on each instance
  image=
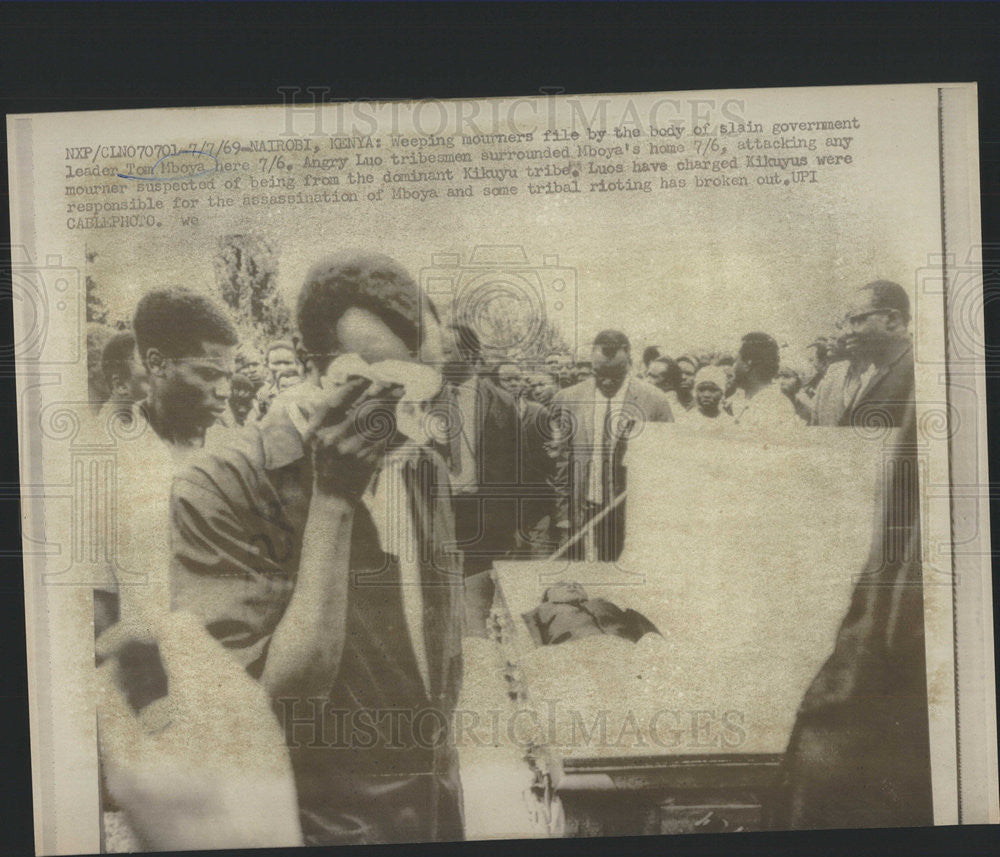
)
(340, 557)
(704, 385)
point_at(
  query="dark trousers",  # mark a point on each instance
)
(607, 536)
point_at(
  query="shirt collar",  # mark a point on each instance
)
(618, 398)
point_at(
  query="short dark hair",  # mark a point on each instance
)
(370, 282)
(649, 354)
(612, 339)
(761, 349)
(178, 321)
(116, 358)
(889, 295)
(242, 384)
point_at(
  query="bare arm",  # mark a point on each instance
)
(307, 645)
(306, 648)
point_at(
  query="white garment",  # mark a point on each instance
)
(768, 409)
(389, 507)
(697, 419)
(388, 504)
(146, 469)
(464, 476)
(595, 484)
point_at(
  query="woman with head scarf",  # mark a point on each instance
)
(709, 389)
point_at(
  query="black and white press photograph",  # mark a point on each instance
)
(516, 468)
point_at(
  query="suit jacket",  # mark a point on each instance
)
(885, 400)
(537, 472)
(486, 518)
(574, 410)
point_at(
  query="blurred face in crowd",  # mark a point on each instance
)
(191, 392)
(709, 397)
(610, 368)
(279, 360)
(563, 370)
(543, 388)
(658, 375)
(241, 403)
(509, 377)
(253, 368)
(868, 330)
(789, 382)
(688, 370)
(582, 370)
(131, 385)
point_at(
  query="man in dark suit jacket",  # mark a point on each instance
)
(875, 385)
(536, 478)
(481, 447)
(596, 417)
(532, 396)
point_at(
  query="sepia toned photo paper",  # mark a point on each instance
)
(549, 466)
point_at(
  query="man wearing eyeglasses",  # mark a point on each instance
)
(875, 384)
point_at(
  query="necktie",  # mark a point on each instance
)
(451, 445)
(607, 446)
